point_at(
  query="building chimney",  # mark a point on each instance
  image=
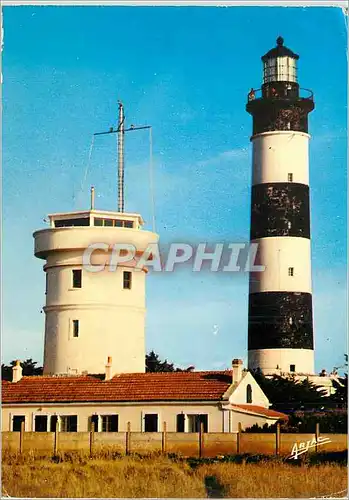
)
(237, 370)
(17, 371)
(108, 369)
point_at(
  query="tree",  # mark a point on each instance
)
(288, 394)
(340, 397)
(154, 364)
(28, 366)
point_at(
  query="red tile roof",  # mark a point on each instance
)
(128, 387)
(265, 412)
(165, 386)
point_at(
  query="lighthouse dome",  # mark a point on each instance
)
(279, 51)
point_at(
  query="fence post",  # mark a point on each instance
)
(238, 439)
(317, 435)
(164, 438)
(128, 438)
(201, 439)
(92, 438)
(277, 436)
(21, 438)
(55, 441)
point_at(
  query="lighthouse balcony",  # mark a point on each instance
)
(280, 111)
(280, 91)
(266, 99)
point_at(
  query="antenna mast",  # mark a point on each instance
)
(121, 150)
(121, 132)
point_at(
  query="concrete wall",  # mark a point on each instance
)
(247, 420)
(186, 444)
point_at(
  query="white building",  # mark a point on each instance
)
(181, 399)
(93, 315)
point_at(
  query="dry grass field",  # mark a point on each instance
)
(164, 477)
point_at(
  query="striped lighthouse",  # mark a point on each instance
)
(280, 325)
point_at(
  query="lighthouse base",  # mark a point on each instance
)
(282, 361)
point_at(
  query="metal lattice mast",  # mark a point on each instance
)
(121, 166)
(121, 152)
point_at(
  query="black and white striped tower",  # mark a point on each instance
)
(280, 326)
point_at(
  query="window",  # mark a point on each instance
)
(290, 177)
(282, 69)
(110, 423)
(113, 223)
(249, 394)
(194, 422)
(127, 280)
(83, 221)
(77, 278)
(69, 423)
(75, 327)
(16, 422)
(151, 422)
(40, 423)
(180, 422)
(291, 271)
(292, 368)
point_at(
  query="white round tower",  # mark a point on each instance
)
(280, 335)
(90, 316)
(95, 310)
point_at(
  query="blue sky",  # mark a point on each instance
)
(186, 71)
